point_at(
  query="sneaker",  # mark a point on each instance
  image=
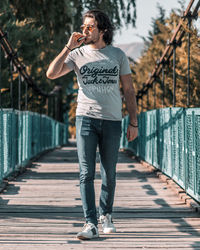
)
(90, 231)
(107, 224)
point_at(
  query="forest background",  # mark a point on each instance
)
(39, 30)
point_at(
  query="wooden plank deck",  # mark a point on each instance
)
(42, 210)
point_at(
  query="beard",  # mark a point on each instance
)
(92, 40)
(89, 42)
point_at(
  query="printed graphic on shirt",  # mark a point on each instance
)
(101, 77)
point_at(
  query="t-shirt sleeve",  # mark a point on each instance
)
(124, 66)
(70, 61)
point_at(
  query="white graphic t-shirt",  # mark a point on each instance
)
(98, 72)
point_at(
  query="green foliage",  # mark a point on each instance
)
(162, 31)
(39, 29)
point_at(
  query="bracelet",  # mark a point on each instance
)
(135, 126)
(68, 47)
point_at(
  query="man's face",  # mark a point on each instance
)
(90, 30)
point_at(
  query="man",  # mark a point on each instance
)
(98, 67)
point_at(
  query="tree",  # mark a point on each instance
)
(154, 49)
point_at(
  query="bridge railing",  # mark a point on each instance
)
(169, 140)
(24, 135)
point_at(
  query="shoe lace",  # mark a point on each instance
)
(87, 226)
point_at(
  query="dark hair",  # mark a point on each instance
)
(103, 24)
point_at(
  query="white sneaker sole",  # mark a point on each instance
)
(82, 237)
(109, 231)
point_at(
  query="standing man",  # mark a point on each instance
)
(99, 66)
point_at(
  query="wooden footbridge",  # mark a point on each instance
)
(155, 207)
(41, 208)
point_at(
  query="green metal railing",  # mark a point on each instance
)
(23, 135)
(169, 139)
(26, 134)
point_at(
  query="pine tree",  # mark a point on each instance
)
(155, 46)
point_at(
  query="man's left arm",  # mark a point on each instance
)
(131, 105)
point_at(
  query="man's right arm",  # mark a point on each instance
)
(58, 67)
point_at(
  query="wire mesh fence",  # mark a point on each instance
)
(25, 128)
(169, 140)
(25, 134)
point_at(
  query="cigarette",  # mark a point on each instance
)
(81, 38)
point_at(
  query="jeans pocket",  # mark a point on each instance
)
(83, 125)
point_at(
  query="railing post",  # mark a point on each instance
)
(55, 106)
(154, 94)
(19, 91)
(147, 99)
(188, 75)
(41, 146)
(26, 96)
(47, 106)
(174, 73)
(163, 84)
(0, 79)
(137, 101)
(52, 106)
(142, 103)
(33, 105)
(11, 83)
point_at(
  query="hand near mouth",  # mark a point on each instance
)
(75, 40)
